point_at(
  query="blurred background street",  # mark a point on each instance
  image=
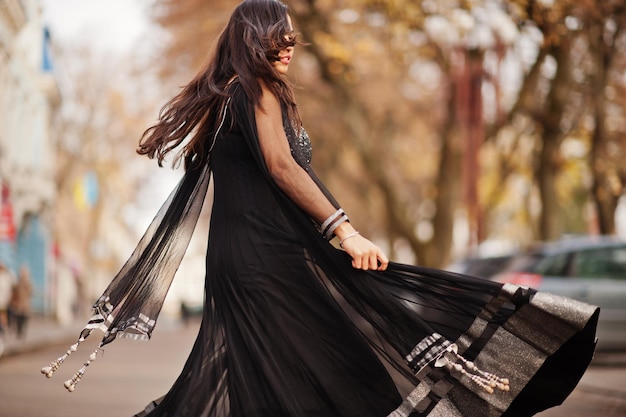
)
(487, 137)
(120, 382)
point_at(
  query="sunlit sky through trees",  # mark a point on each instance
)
(113, 29)
(111, 24)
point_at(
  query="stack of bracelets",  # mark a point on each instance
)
(327, 229)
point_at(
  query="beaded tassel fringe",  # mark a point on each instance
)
(70, 384)
(452, 361)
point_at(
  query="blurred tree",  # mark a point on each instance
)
(426, 115)
(98, 173)
(343, 88)
(563, 101)
(388, 93)
(606, 23)
(191, 27)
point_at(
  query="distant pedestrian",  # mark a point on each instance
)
(20, 301)
(6, 283)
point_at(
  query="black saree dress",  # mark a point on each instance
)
(290, 329)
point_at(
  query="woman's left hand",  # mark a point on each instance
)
(365, 254)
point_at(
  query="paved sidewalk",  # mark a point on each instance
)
(46, 331)
(41, 331)
(603, 383)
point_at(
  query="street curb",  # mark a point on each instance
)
(35, 342)
(609, 359)
(48, 333)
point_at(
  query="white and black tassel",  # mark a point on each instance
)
(70, 384)
(49, 370)
(451, 360)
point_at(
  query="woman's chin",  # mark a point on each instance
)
(281, 68)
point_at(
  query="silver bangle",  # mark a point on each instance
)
(353, 234)
(330, 219)
(330, 232)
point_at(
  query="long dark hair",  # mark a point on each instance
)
(256, 32)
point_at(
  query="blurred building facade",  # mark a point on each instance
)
(29, 96)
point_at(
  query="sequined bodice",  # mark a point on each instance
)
(300, 146)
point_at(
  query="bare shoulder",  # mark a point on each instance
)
(268, 102)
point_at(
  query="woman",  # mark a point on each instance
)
(292, 325)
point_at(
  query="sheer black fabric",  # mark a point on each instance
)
(289, 328)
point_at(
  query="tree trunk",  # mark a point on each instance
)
(448, 182)
(547, 163)
(547, 171)
(604, 198)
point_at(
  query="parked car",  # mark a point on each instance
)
(481, 267)
(590, 269)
